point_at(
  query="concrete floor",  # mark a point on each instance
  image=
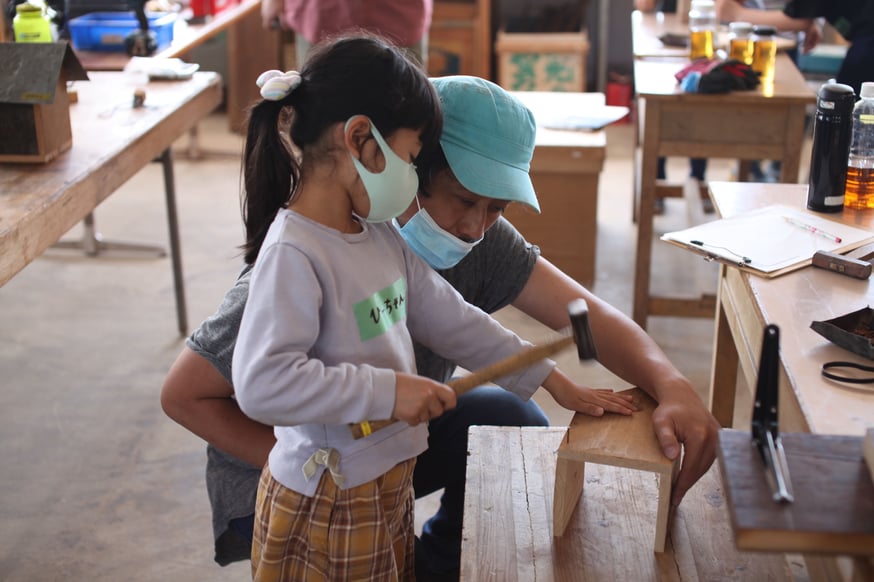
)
(97, 483)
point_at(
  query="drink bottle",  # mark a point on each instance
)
(30, 24)
(859, 193)
(832, 132)
(740, 42)
(764, 52)
(702, 29)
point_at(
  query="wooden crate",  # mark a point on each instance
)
(542, 61)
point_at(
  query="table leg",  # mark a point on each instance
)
(175, 251)
(795, 130)
(646, 200)
(723, 379)
(93, 243)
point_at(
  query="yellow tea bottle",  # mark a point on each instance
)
(764, 52)
(740, 42)
(30, 25)
(702, 29)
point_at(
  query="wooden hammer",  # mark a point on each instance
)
(579, 333)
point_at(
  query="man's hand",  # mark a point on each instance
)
(690, 424)
(812, 36)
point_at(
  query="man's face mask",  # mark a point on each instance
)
(437, 247)
(392, 190)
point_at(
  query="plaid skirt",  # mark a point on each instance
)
(362, 533)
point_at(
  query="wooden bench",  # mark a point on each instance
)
(508, 510)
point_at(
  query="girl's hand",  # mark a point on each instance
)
(594, 401)
(419, 399)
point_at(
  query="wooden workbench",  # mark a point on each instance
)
(112, 141)
(507, 533)
(648, 27)
(746, 303)
(765, 123)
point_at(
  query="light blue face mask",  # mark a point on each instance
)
(437, 247)
(392, 190)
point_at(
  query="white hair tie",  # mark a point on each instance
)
(276, 85)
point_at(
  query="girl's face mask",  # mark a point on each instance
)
(392, 190)
(437, 247)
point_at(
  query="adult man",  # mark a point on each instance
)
(486, 148)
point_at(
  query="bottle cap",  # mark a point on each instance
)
(836, 97)
(764, 30)
(867, 91)
(27, 7)
(740, 27)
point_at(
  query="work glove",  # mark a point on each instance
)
(717, 76)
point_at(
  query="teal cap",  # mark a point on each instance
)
(488, 138)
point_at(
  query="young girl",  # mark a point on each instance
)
(334, 301)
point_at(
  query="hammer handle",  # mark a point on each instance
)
(508, 365)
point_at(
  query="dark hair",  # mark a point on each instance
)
(358, 74)
(429, 164)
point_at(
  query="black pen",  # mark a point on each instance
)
(740, 263)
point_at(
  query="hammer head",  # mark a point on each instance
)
(578, 310)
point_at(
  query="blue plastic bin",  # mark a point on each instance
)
(106, 31)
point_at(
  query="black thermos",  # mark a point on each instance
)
(832, 133)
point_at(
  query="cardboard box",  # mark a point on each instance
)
(34, 106)
(565, 171)
(554, 61)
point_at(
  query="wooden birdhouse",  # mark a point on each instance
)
(34, 105)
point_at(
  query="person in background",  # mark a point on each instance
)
(456, 221)
(403, 22)
(852, 19)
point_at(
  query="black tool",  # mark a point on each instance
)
(766, 435)
(141, 42)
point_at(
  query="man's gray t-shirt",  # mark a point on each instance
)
(490, 277)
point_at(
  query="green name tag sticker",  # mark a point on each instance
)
(381, 310)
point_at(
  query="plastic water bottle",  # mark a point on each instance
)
(832, 132)
(30, 24)
(702, 29)
(860, 168)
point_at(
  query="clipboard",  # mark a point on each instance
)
(770, 241)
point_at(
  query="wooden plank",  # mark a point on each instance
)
(508, 521)
(617, 440)
(833, 511)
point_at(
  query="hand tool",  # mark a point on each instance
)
(766, 436)
(579, 333)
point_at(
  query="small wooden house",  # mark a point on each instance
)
(34, 105)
